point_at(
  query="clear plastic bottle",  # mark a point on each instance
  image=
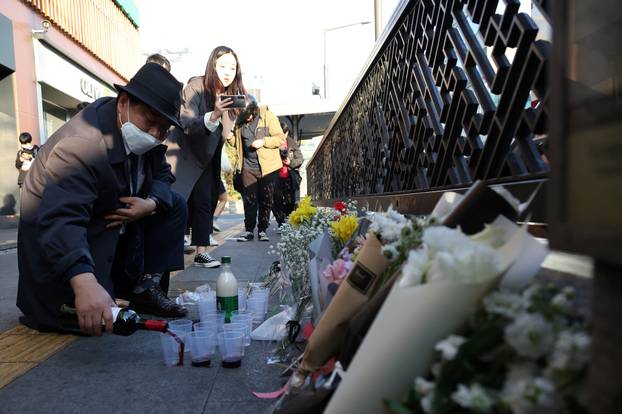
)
(227, 289)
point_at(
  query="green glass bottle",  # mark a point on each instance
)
(126, 321)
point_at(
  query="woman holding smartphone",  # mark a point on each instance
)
(195, 152)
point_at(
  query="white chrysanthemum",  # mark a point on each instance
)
(441, 238)
(571, 351)
(390, 252)
(526, 394)
(562, 303)
(426, 403)
(530, 335)
(474, 397)
(388, 225)
(449, 346)
(415, 267)
(505, 303)
(473, 262)
(423, 387)
(436, 369)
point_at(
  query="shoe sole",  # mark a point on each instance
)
(244, 240)
(207, 265)
(264, 240)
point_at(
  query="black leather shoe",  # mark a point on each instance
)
(153, 301)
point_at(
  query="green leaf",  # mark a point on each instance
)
(396, 407)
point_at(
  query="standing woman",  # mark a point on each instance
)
(195, 152)
(257, 140)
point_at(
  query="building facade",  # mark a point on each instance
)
(54, 55)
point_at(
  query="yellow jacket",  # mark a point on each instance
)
(270, 130)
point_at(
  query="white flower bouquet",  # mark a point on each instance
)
(441, 285)
(521, 353)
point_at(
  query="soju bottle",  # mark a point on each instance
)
(227, 290)
(125, 321)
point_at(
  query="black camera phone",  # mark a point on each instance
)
(238, 101)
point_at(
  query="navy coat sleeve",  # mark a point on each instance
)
(67, 205)
(162, 178)
(205, 144)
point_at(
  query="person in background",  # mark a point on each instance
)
(257, 141)
(25, 156)
(194, 150)
(98, 217)
(81, 106)
(222, 202)
(160, 60)
(288, 183)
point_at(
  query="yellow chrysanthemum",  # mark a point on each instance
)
(344, 228)
(304, 212)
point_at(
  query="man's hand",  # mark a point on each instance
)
(93, 304)
(258, 143)
(135, 209)
(286, 161)
(220, 107)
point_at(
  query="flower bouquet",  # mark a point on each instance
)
(521, 353)
(440, 285)
(363, 280)
(305, 224)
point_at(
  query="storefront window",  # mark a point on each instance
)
(54, 117)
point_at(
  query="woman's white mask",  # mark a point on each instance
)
(137, 140)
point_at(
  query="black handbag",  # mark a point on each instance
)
(295, 177)
(238, 184)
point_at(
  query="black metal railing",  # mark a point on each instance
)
(455, 91)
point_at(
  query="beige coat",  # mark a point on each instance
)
(270, 130)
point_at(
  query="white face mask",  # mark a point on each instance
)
(137, 140)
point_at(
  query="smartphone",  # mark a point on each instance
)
(238, 101)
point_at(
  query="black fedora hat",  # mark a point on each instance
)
(157, 88)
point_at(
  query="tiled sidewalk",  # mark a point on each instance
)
(114, 374)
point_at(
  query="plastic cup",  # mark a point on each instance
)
(241, 327)
(240, 312)
(256, 306)
(260, 292)
(231, 347)
(170, 350)
(206, 306)
(202, 347)
(215, 317)
(211, 327)
(193, 310)
(180, 327)
(241, 298)
(248, 321)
